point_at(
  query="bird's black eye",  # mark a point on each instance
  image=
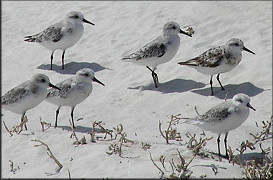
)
(76, 17)
(43, 80)
(86, 74)
(240, 101)
(174, 27)
(236, 44)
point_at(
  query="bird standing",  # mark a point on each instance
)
(158, 51)
(74, 90)
(218, 60)
(224, 117)
(27, 95)
(61, 35)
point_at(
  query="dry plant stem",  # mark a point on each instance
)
(106, 131)
(162, 172)
(18, 128)
(73, 131)
(164, 136)
(7, 129)
(49, 153)
(162, 160)
(196, 111)
(92, 134)
(11, 167)
(43, 123)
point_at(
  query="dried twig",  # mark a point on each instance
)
(43, 124)
(162, 172)
(170, 133)
(18, 128)
(7, 129)
(11, 167)
(102, 129)
(49, 153)
(196, 111)
(145, 146)
(256, 168)
(116, 147)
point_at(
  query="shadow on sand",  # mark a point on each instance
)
(81, 129)
(176, 85)
(231, 90)
(72, 67)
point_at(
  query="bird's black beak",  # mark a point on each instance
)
(245, 49)
(248, 105)
(96, 80)
(183, 32)
(85, 21)
(51, 85)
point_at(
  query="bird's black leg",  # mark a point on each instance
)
(51, 60)
(72, 110)
(22, 119)
(57, 113)
(155, 77)
(211, 85)
(225, 140)
(218, 78)
(218, 142)
(63, 60)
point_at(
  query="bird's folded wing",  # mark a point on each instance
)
(211, 58)
(220, 112)
(51, 34)
(14, 95)
(156, 48)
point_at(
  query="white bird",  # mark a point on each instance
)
(224, 117)
(61, 35)
(27, 95)
(74, 90)
(158, 51)
(218, 60)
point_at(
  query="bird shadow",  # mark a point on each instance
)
(175, 85)
(73, 67)
(254, 156)
(80, 129)
(231, 90)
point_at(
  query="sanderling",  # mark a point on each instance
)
(158, 51)
(61, 35)
(219, 59)
(73, 91)
(224, 117)
(27, 95)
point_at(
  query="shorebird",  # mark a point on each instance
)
(61, 35)
(218, 60)
(74, 90)
(159, 51)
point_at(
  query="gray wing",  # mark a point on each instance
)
(14, 95)
(65, 86)
(219, 112)
(52, 33)
(211, 58)
(156, 48)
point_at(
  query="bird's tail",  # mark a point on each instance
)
(30, 38)
(192, 121)
(187, 63)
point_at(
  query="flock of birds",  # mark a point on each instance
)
(219, 119)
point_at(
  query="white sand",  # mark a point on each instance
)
(129, 96)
